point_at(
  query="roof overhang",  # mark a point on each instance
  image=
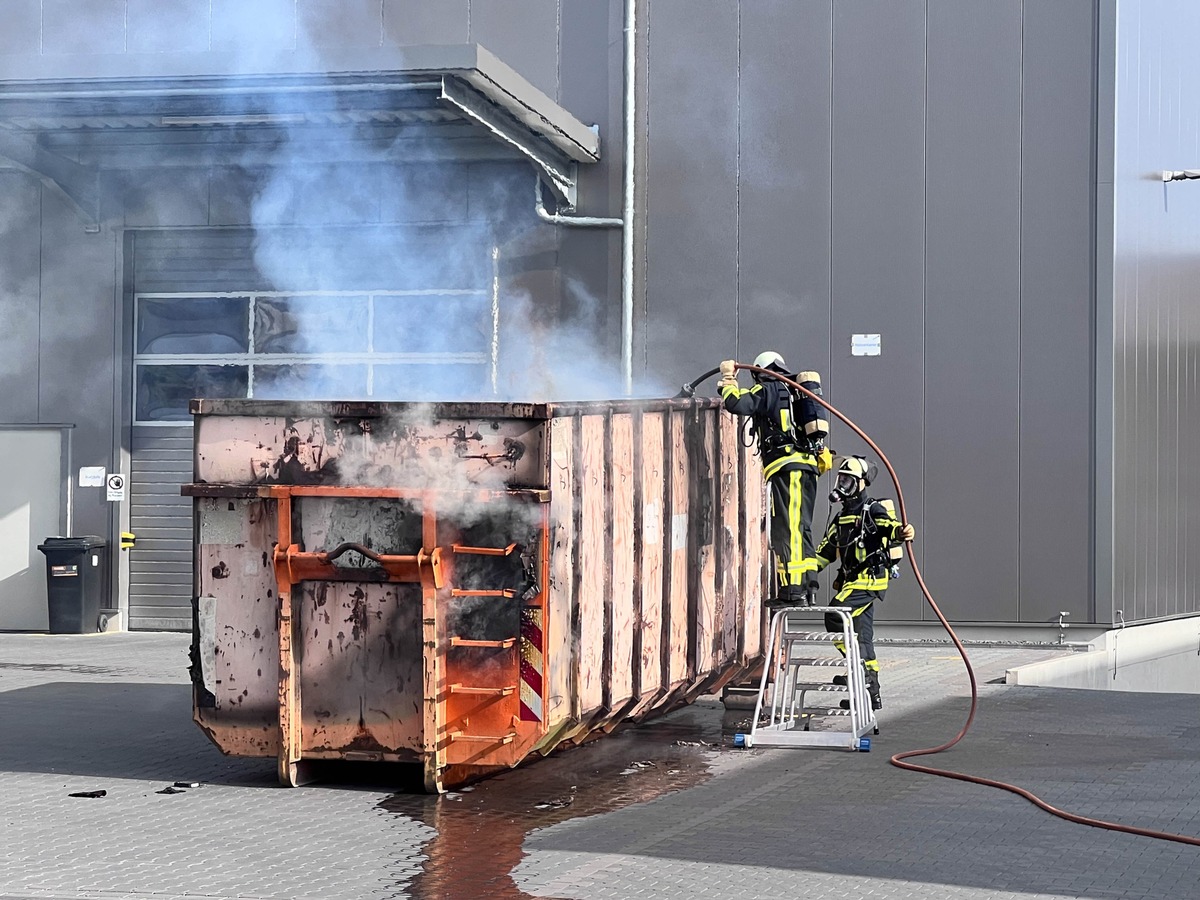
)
(457, 102)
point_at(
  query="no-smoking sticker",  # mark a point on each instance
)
(116, 487)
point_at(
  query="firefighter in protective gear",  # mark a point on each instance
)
(858, 536)
(791, 465)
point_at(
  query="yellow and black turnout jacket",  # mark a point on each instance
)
(769, 404)
(859, 537)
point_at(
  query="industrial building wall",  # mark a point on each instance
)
(1151, 484)
(918, 169)
(58, 318)
(810, 169)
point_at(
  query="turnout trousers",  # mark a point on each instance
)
(793, 492)
(861, 605)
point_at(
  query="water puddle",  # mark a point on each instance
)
(481, 829)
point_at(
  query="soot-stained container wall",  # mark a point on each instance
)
(462, 585)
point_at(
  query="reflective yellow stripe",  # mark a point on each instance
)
(783, 420)
(803, 459)
(794, 519)
(871, 665)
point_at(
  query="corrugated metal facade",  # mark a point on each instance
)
(935, 171)
(921, 169)
(1154, 469)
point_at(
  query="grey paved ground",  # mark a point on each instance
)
(112, 712)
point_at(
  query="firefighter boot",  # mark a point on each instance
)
(873, 689)
(789, 595)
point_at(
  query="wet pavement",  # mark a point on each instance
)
(665, 809)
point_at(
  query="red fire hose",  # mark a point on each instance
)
(899, 759)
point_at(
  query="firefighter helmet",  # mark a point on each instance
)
(769, 359)
(852, 471)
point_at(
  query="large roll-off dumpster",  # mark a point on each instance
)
(460, 585)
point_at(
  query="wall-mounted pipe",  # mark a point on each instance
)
(625, 223)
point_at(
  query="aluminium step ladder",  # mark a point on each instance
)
(794, 679)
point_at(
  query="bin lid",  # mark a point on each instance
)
(82, 542)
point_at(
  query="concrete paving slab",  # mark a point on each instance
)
(667, 809)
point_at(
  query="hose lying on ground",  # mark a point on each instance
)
(900, 759)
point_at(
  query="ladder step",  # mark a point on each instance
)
(499, 645)
(482, 738)
(505, 691)
(507, 593)
(484, 551)
(827, 661)
(828, 636)
(819, 686)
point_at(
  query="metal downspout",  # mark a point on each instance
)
(625, 223)
(627, 204)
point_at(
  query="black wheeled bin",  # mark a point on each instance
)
(76, 578)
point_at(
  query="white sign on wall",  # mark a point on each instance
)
(865, 345)
(91, 476)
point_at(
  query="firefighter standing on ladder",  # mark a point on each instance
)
(793, 455)
(859, 536)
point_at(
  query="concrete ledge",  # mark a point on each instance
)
(1163, 657)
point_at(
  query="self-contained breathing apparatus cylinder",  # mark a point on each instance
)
(895, 550)
(810, 418)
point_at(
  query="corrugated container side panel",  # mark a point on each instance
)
(731, 556)
(753, 578)
(676, 525)
(593, 563)
(653, 476)
(559, 665)
(625, 602)
(701, 542)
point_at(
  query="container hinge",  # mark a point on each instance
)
(504, 691)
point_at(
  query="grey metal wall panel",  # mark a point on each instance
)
(181, 26)
(1056, 310)
(590, 86)
(1156, 489)
(75, 372)
(175, 197)
(691, 219)
(411, 22)
(784, 182)
(83, 26)
(20, 296)
(22, 32)
(253, 29)
(878, 242)
(972, 303)
(523, 33)
(340, 23)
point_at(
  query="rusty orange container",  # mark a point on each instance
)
(461, 585)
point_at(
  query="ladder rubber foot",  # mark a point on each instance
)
(864, 744)
(739, 740)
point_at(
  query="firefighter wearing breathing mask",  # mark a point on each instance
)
(793, 455)
(860, 536)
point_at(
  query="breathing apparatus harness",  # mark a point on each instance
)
(887, 553)
(900, 760)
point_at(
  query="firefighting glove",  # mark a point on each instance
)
(907, 533)
(728, 368)
(824, 460)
